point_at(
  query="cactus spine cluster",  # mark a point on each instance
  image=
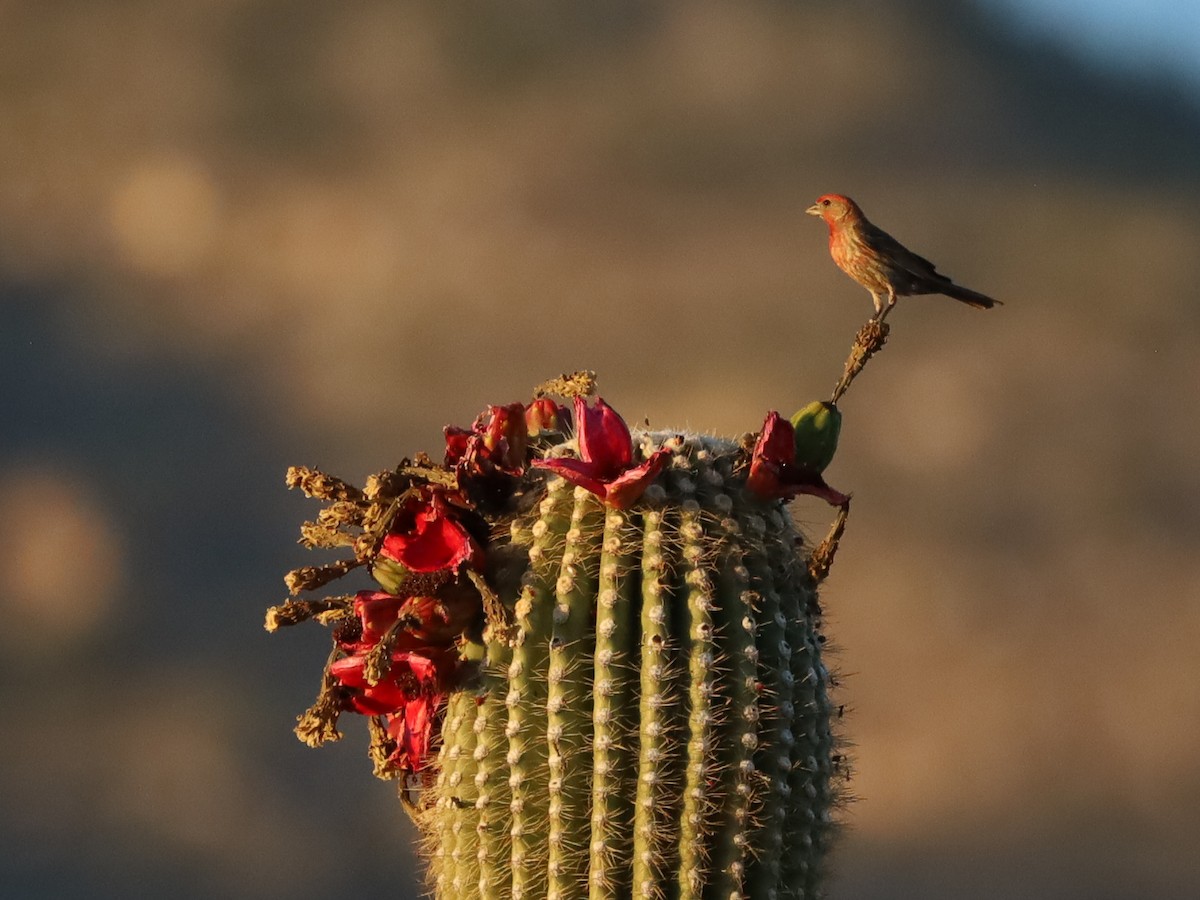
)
(655, 721)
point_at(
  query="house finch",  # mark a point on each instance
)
(879, 262)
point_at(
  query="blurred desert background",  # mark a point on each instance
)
(240, 234)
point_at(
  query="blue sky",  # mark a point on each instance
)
(1163, 34)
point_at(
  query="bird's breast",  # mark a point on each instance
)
(858, 260)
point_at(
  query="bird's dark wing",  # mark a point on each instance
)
(910, 273)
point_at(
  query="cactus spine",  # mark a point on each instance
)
(659, 724)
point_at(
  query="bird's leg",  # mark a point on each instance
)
(891, 301)
(878, 304)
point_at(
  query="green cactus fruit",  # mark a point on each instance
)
(657, 723)
(817, 427)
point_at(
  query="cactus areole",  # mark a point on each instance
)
(593, 660)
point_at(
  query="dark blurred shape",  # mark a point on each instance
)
(149, 750)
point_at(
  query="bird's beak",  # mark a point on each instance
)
(813, 210)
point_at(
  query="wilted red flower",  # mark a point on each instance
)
(412, 730)
(774, 474)
(428, 537)
(430, 623)
(605, 465)
(496, 441)
(409, 697)
(410, 692)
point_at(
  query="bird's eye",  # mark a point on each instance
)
(825, 202)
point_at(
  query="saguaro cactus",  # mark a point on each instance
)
(597, 659)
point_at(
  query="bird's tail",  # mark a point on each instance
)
(968, 296)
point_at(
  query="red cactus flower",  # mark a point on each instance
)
(605, 465)
(410, 697)
(774, 474)
(427, 536)
(495, 442)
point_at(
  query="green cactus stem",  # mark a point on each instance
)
(655, 844)
(568, 699)
(614, 711)
(526, 697)
(494, 794)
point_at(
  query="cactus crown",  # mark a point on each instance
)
(596, 661)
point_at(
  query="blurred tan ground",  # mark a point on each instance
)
(369, 220)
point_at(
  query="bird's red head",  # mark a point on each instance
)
(835, 209)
